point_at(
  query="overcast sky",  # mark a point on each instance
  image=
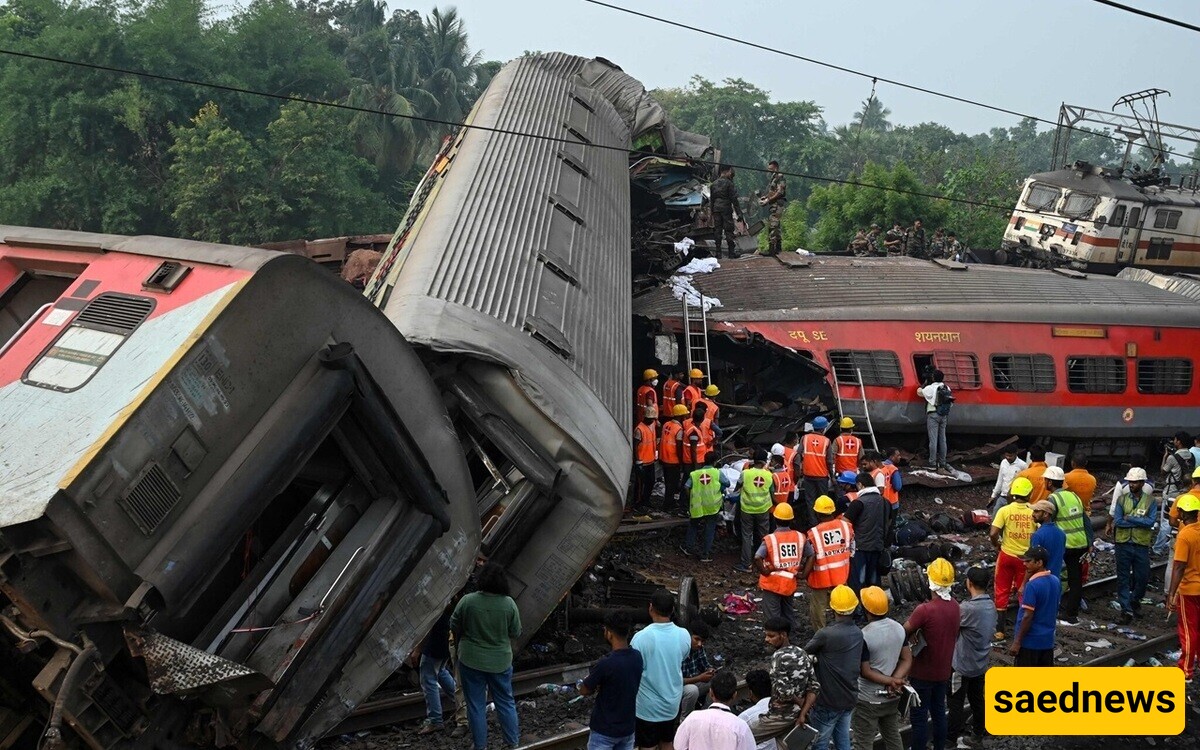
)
(1024, 55)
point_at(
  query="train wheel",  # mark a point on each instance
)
(689, 601)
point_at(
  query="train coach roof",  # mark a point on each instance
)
(1090, 183)
(839, 288)
(244, 258)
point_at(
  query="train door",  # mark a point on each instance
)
(1130, 230)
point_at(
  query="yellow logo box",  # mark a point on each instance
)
(1041, 701)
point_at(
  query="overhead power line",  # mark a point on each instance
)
(1148, 14)
(852, 71)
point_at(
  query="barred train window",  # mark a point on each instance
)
(1096, 374)
(877, 367)
(1164, 375)
(1025, 373)
(960, 368)
(1042, 197)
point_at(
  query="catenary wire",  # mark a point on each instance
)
(1148, 14)
(861, 74)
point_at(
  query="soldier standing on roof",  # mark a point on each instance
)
(775, 200)
(723, 200)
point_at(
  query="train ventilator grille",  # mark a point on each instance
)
(151, 499)
(115, 312)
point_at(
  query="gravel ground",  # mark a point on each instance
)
(654, 556)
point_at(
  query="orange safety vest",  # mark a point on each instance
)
(669, 449)
(710, 435)
(889, 493)
(691, 395)
(783, 486)
(831, 552)
(669, 389)
(845, 453)
(789, 461)
(645, 449)
(784, 552)
(691, 428)
(712, 411)
(646, 396)
(815, 449)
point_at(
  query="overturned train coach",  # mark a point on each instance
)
(1087, 360)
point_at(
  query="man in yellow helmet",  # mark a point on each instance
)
(778, 560)
(838, 647)
(1184, 594)
(885, 664)
(694, 391)
(832, 545)
(937, 620)
(1010, 534)
(646, 398)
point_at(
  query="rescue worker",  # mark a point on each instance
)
(792, 456)
(672, 393)
(645, 459)
(937, 245)
(647, 395)
(887, 479)
(1193, 490)
(1074, 518)
(1176, 467)
(816, 465)
(1183, 596)
(670, 455)
(1133, 522)
(756, 487)
(695, 450)
(1033, 472)
(711, 391)
(847, 490)
(838, 649)
(723, 197)
(705, 488)
(886, 660)
(693, 391)
(847, 448)
(775, 200)
(712, 430)
(1010, 534)
(1080, 481)
(782, 480)
(778, 561)
(831, 542)
(858, 245)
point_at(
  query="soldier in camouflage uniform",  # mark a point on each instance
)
(893, 242)
(874, 241)
(954, 249)
(775, 200)
(937, 245)
(723, 201)
(915, 246)
(794, 685)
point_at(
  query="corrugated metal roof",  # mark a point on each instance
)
(1187, 285)
(759, 288)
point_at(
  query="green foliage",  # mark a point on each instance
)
(843, 209)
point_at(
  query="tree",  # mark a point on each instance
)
(873, 116)
(892, 196)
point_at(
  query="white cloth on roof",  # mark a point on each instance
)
(698, 265)
(684, 246)
(681, 287)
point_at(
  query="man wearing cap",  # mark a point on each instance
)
(756, 488)
(1183, 596)
(847, 448)
(972, 652)
(647, 395)
(816, 464)
(670, 455)
(886, 660)
(1073, 516)
(1033, 639)
(1133, 524)
(846, 490)
(937, 622)
(838, 648)
(693, 392)
(868, 515)
(779, 560)
(1049, 535)
(832, 544)
(1010, 534)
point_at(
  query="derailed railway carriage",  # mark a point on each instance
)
(226, 479)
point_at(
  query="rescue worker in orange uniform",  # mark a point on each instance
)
(782, 479)
(1034, 472)
(647, 395)
(847, 448)
(696, 439)
(645, 460)
(791, 455)
(778, 560)
(672, 393)
(670, 455)
(886, 476)
(708, 422)
(694, 391)
(831, 542)
(817, 465)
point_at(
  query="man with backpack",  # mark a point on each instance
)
(1177, 466)
(938, 400)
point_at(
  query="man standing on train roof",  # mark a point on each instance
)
(694, 391)
(893, 241)
(1183, 596)
(914, 247)
(775, 200)
(847, 448)
(647, 395)
(954, 249)
(1074, 518)
(723, 201)
(1133, 522)
(756, 488)
(645, 462)
(937, 414)
(874, 241)
(1010, 534)
(779, 560)
(817, 465)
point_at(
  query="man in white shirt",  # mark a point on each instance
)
(716, 728)
(758, 682)
(1010, 466)
(935, 423)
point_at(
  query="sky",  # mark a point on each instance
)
(1024, 55)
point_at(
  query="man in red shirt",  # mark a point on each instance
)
(937, 621)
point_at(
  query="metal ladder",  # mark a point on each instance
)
(865, 416)
(695, 339)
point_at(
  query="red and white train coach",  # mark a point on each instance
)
(1037, 352)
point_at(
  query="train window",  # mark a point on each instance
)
(1025, 373)
(1159, 248)
(1118, 218)
(1080, 205)
(1135, 215)
(88, 342)
(1166, 219)
(1164, 375)
(877, 367)
(1042, 197)
(960, 368)
(1096, 374)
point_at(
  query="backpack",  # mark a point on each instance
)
(1187, 463)
(943, 400)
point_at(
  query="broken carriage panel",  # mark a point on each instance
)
(230, 502)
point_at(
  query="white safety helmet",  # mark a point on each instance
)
(1136, 474)
(777, 449)
(1054, 474)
